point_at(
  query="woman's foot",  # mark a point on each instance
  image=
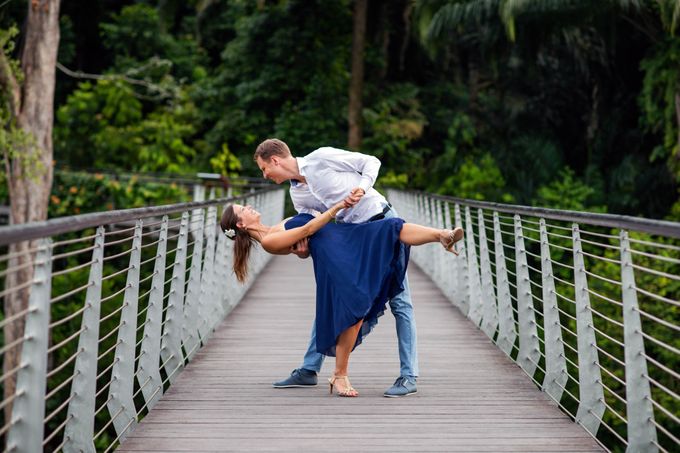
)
(448, 238)
(342, 386)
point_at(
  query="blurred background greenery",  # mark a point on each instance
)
(560, 103)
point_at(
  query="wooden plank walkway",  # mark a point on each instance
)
(471, 397)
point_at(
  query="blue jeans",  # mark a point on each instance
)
(402, 309)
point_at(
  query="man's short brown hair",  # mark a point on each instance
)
(271, 147)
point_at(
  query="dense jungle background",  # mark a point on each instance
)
(561, 103)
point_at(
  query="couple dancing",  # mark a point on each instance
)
(359, 262)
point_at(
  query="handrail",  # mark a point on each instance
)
(624, 222)
(107, 321)
(24, 232)
(621, 341)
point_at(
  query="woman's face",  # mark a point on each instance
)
(247, 215)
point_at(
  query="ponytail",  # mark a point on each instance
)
(242, 242)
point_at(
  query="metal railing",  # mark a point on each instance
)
(114, 313)
(586, 304)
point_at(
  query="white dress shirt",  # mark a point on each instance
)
(331, 173)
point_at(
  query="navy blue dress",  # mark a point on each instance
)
(358, 268)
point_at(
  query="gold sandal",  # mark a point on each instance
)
(455, 235)
(349, 390)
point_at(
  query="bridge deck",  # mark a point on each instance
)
(471, 397)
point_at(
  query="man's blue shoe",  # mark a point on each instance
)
(300, 377)
(403, 386)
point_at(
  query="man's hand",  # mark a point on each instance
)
(301, 248)
(354, 196)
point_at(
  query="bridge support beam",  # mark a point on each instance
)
(79, 429)
(506, 319)
(556, 377)
(120, 402)
(490, 316)
(190, 337)
(28, 428)
(474, 288)
(148, 373)
(529, 353)
(171, 341)
(591, 394)
(639, 410)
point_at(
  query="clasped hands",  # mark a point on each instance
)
(301, 248)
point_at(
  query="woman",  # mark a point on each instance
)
(357, 267)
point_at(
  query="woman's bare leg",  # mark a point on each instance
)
(343, 348)
(414, 234)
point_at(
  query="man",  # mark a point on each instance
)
(318, 181)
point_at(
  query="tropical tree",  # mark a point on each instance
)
(356, 83)
(26, 139)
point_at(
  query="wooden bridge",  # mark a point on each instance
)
(139, 338)
(471, 396)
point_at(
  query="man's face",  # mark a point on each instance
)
(272, 169)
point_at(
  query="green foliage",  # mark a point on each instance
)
(136, 35)
(660, 97)
(392, 124)
(283, 73)
(7, 47)
(78, 193)
(226, 163)
(567, 193)
(478, 179)
(108, 117)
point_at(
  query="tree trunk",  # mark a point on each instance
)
(406, 15)
(677, 119)
(30, 177)
(473, 83)
(356, 83)
(384, 34)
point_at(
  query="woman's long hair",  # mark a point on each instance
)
(242, 242)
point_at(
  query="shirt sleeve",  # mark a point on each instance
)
(341, 160)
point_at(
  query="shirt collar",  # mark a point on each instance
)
(302, 163)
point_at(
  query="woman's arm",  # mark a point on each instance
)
(281, 241)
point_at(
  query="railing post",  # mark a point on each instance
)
(148, 373)
(529, 353)
(28, 413)
(171, 341)
(79, 429)
(217, 280)
(463, 277)
(475, 292)
(191, 301)
(230, 283)
(506, 319)
(449, 261)
(639, 410)
(490, 319)
(222, 277)
(120, 403)
(205, 298)
(427, 264)
(197, 214)
(440, 258)
(555, 361)
(591, 394)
